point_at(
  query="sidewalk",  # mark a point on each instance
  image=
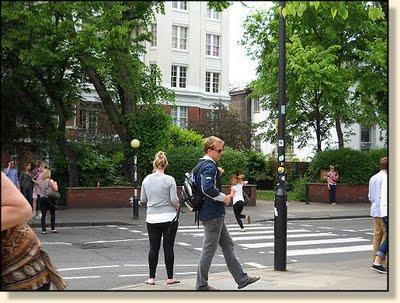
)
(263, 211)
(301, 277)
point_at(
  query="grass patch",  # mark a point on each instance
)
(269, 195)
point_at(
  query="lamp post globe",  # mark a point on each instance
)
(135, 143)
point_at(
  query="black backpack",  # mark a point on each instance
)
(193, 198)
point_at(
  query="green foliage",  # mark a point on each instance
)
(354, 167)
(258, 169)
(374, 156)
(322, 70)
(183, 137)
(182, 159)
(232, 161)
(298, 8)
(299, 188)
(151, 128)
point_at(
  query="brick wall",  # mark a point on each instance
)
(104, 197)
(318, 192)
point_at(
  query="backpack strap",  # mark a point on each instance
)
(195, 170)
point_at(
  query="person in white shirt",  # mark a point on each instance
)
(374, 196)
(237, 183)
(159, 193)
(383, 249)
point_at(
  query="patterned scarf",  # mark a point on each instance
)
(24, 266)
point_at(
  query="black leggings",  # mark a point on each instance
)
(44, 287)
(237, 209)
(45, 205)
(155, 232)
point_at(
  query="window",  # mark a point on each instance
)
(88, 120)
(179, 37)
(212, 45)
(212, 14)
(212, 82)
(178, 76)
(257, 144)
(365, 138)
(153, 68)
(182, 5)
(256, 105)
(180, 116)
(154, 34)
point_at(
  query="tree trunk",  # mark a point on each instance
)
(339, 132)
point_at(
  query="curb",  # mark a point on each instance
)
(103, 223)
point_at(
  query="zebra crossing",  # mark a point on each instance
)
(302, 239)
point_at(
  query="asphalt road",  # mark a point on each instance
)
(113, 257)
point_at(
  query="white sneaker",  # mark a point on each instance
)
(242, 230)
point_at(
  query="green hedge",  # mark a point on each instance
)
(354, 167)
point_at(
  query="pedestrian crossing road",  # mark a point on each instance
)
(108, 257)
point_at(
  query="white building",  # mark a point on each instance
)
(360, 139)
(191, 47)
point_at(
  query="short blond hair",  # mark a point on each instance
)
(46, 174)
(210, 142)
(160, 161)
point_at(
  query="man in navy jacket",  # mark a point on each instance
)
(212, 215)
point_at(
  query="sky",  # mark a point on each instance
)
(243, 73)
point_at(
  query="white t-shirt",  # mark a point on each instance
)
(238, 193)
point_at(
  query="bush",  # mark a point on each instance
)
(233, 162)
(258, 169)
(299, 188)
(182, 137)
(181, 160)
(354, 167)
(374, 156)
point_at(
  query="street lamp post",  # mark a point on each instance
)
(135, 143)
(280, 205)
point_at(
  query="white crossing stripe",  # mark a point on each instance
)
(326, 228)
(333, 250)
(56, 243)
(257, 232)
(123, 228)
(133, 275)
(182, 227)
(88, 267)
(245, 238)
(83, 277)
(256, 265)
(183, 244)
(199, 248)
(349, 230)
(307, 242)
(230, 229)
(115, 241)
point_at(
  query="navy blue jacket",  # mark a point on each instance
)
(209, 179)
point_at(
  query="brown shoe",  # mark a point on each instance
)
(251, 280)
(208, 288)
(248, 219)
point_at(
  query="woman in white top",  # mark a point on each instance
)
(238, 200)
(159, 193)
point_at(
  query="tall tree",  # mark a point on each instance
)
(323, 64)
(34, 40)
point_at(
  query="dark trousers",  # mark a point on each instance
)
(27, 192)
(332, 193)
(237, 209)
(155, 232)
(45, 205)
